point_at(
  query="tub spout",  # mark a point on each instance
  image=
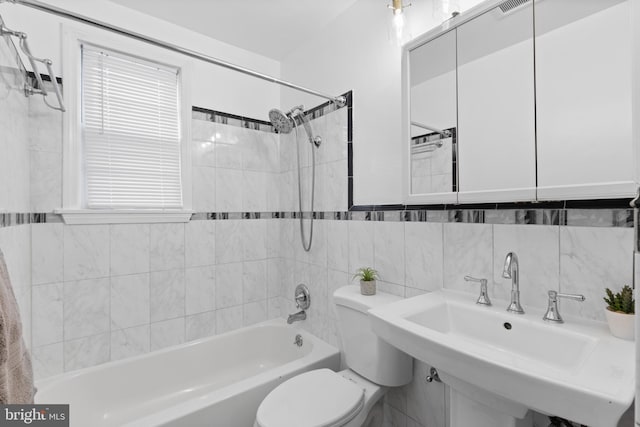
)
(301, 315)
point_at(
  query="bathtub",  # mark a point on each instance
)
(217, 381)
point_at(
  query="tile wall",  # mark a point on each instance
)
(108, 292)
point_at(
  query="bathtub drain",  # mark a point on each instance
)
(298, 340)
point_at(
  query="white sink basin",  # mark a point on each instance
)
(575, 370)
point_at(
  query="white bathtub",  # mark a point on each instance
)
(217, 381)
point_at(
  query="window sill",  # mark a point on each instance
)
(124, 216)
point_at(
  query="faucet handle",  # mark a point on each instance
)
(483, 299)
(552, 314)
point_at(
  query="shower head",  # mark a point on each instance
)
(281, 121)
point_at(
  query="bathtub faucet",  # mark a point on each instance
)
(301, 315)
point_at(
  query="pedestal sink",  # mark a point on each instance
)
(505, 363)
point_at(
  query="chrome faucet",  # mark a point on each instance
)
(301, 315)
(302, 298)
(510, 271)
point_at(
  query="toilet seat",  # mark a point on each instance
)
(319, 398)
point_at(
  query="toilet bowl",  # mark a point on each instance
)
(324, 398)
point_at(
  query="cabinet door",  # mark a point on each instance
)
(583, 96)
(431, 76)
(496, 109)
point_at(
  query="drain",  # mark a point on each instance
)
(507, 326)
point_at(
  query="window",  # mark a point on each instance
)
(126, 157)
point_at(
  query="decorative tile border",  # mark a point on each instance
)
(561, 217)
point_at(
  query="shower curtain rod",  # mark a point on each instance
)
(340, 100)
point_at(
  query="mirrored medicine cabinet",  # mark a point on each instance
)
(520, 101)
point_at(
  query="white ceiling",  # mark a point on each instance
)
(271, 28)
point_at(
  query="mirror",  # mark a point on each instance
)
(496, 105)
(432, 92)
(583, 95)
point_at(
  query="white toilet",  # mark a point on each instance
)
(323, 398)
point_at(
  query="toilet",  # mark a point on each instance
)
(349, 398)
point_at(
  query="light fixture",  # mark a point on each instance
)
(397, 33)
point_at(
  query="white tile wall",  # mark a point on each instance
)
(109, 292)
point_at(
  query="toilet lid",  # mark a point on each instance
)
(319, 398)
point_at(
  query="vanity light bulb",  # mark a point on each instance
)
(397, 27)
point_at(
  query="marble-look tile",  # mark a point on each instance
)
(46, 181)
(203, 153)
(166, 243)
(47, 314)
(86, 252)
(254, 312)
(204, 189)
(334, 144)
(317, 254)
(389, 251)
(228, 151)
(229, 288)
(254, 238)
(361, 235)
(200, 289)
(338, 245)
(275, 277)
(167, 333)
(229, 319)
(468, 250)
(166, 294)
(130, 342)
(425, 401)
(273, 237)
(273, 191)
(201, 325)
(538, 252)
(129, 249)
(129, 301)
(47, 361)
(254, 281)
(228, 190)
(592, 259)
(46, 253)
(254, 194)
(274, 308)
(199, 243)
(86, 308)
(336, 188)
(423, 255)
(229, 245)
(86, 352)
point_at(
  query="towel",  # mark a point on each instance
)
(16, 373)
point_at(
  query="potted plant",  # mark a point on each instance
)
(620, 313)
(368, 278)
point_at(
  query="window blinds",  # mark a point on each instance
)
(130, 132)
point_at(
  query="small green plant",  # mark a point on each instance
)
(366, 274)
(622, 301)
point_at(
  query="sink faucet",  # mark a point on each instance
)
(301, 315)
(510, 271)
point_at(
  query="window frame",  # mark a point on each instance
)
(73, 211)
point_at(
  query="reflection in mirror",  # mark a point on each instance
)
(432, 68)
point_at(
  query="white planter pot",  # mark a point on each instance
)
(621, 325)
(368, 288)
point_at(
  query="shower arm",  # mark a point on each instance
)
(339, 100)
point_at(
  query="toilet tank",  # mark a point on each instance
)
(364, 352)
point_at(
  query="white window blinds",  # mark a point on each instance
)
(130, 132)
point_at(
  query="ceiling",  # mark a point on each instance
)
(271, 28)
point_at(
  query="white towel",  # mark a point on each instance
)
(16, 374)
